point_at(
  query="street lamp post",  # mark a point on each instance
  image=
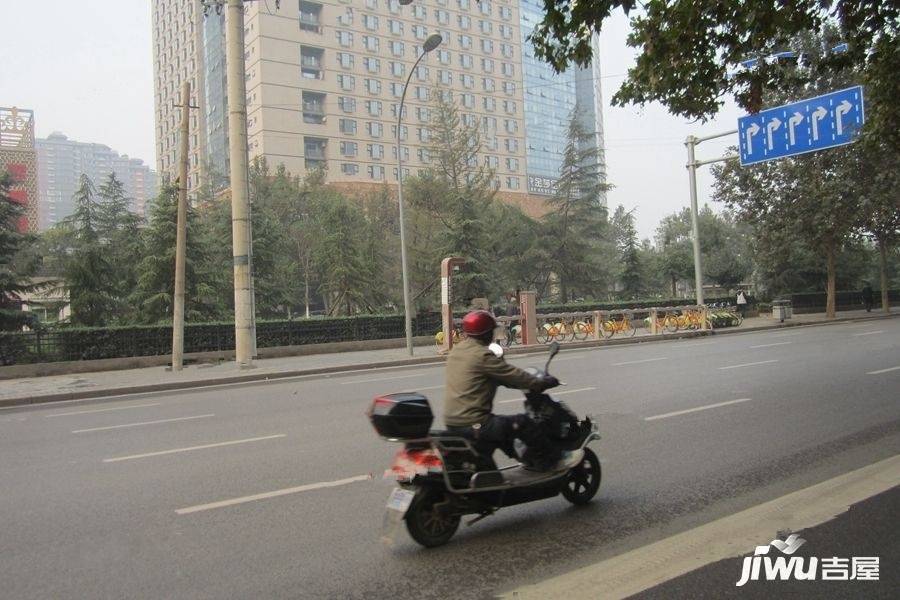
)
(433, 41)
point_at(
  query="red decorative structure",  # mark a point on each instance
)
(18, 157)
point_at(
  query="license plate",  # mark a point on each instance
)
(400, 500)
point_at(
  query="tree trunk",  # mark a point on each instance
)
(885, 301)
(306, 286)
(674, 286)
(830, 285)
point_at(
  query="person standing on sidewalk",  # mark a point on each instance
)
(868, 296)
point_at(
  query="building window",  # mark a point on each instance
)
(511, 125)
(419, 12)
(507, 50)
(347, 104)
(344, 38)
(404, 132)
(512, 183)
(488, 124)
(314, 150)
(371, 43)
(468, 100)
(491, 143)
(509, 88)
(345, 59)
(376, 172)
(374, 129)
(372, 4)
(422, 93)
(396, 89)
(489, 103)
(395, 107)
(395, 27)
(423, 114)
(398, 69)
(372, 65)
(506, 31)
(510, 107)
(491, 161)
(487, 46)
(346, 19)
(374, 107)
(373, 86)
(465, 42)
(423, 134)
(487, 84)
(346, 82)
(445, 77)
(442, 16)
(347, 126)
(370, 22)
(422, 73)
(311, 63)
(443, 57)
(512, 164)
(465, 61)
(463, 4)
(349, 148)
(375, 150)
(465, 21)
(487, 65)
(486, 27)
(420, 32)
(512, 145)
(505, 13)
(467, 80)
(351, 169)
(397, 48)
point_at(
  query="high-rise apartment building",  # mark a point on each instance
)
(324, 82)
(18, 158)
(178, 51)
(61, 163)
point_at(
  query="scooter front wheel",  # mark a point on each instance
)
(583, 481)
(428, 521)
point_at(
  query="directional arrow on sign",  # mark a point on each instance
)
(773, 125)
(842, 109)
(792, 124)
(818, 114)
(752, 130)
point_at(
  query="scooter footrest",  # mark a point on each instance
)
(487, 479)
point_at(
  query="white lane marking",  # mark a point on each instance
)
(142, 423)
(697, 409)
(770, 345)
(563, 393)
(97, 410)
(433, 387)
(628, 574)
(762, 362)
(275, 494)
(382, 379)
(190, 448)
(879, 372)
(868, 333)
(787, 334)
(635, 362)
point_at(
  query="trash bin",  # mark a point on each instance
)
(782, 309)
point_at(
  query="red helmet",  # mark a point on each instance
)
(478, 322)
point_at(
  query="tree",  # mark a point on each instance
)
(674, 247)
(88, 269)
(631, 275)
(155, 289)
(577, 238)
(690, 51)
(13, 273)
(119, 231)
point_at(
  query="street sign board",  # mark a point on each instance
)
(813, 124)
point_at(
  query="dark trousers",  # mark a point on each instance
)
(500, 431)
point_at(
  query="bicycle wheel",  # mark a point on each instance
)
(670, 324)
(607, 329)
(543, 334)
(580, 331)
(627, 328)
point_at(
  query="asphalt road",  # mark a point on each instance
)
(260, 490)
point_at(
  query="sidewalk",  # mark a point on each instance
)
(15, 392)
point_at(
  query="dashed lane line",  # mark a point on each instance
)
(752, 364)
(274, 494)
(880, 371)
(384, 379)
(192, 448)
(636, 362)
(99, 410)
(868, 333)
(770, 345)
(697, 409)
(142, 423)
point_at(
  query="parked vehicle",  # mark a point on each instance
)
(443, 477)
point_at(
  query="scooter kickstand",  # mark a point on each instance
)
(480, 517)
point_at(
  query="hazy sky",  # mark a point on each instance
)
(85, 67)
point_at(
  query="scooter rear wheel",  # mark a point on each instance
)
(427, 523)
(583, 481)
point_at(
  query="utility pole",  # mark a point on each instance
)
(181, 232)
(244, 332)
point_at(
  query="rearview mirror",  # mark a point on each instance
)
(497, 349)
(554, 349)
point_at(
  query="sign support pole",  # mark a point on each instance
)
(692, 164)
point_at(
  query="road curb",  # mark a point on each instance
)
(425, 360)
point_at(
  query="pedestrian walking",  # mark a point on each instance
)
(741, 303)
(868, 296)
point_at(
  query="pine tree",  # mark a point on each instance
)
(119, 231)
(88, 268)
(13, 274)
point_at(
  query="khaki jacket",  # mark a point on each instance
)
(473, 374)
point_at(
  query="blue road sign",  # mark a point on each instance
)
(813, 124)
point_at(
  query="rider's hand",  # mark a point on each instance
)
(548, 381)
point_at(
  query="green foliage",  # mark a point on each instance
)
(14, 271)
(690, 51)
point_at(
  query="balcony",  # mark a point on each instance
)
(310, 17)
(314, 149)
(311, 60)
(313, 105)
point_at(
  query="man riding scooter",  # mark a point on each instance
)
(473, 374)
